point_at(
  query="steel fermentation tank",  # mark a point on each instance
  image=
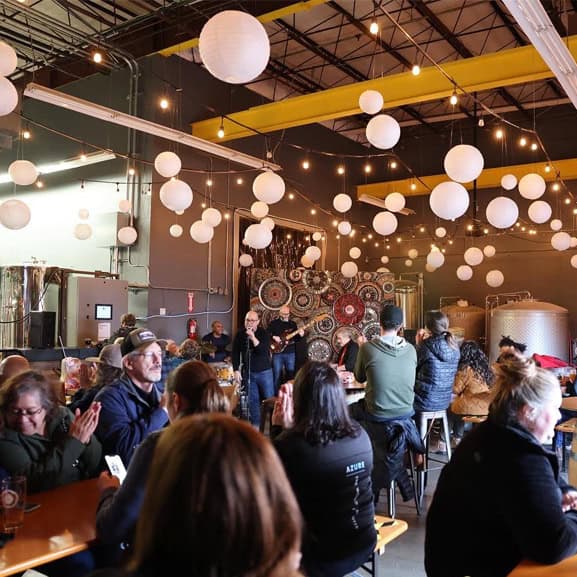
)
(468, 317)
(408, 297)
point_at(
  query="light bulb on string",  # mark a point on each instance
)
(547, 168)
(534, 146)
(340, 169)
(453, 100)
(413, 186)
(555, 186)
(416, 69)
(374, 28)
(306, 164)
(26, 134)
(393, 164)
(239, 180)
(291, 196)
(163, 103)
(522, 141)
(368, 168)
(481, 122)
(97, 57)
(499, 134)
(220, 132)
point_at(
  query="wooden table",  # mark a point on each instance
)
(386, 534)
(567, 568)
(63, 525)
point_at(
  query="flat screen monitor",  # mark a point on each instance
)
(103, 312)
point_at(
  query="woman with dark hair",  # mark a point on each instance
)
(191, 388)
(502, 487)
(42, 440)
(508, 346)
(328, 459)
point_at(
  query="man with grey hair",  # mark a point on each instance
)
(13, 365)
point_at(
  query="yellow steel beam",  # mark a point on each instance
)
(504, 68)
(490, 178)
(268, 17)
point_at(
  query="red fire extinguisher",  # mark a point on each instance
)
(191, 328)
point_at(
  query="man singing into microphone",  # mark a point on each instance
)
(251, 349)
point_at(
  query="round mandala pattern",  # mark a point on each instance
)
(349, 309)
(320, 349)
(367, 276)
(332, 294)
(368, 292)
(353, 331)
(325, 326)
(348, 284)
(372, 312)
(274, 293)
(317, 281)
(388, 287)
(295, 275)
(371, 330)
(304, 302)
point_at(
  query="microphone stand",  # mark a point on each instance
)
(244, 388)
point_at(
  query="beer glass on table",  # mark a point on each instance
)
(12, 502)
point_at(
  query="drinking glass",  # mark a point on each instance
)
(12, 501)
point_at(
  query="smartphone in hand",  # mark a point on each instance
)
(115, 466)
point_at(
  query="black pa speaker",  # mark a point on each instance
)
(42, 329)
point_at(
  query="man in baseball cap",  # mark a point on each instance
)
(132, 406)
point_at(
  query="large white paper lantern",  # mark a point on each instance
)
(371, 102)
(245, 260)
(124, 205)
(269, 223)
(307, 261)
(355, 252)
(211, 216)
(430, 267)
(441, 232)
(449, 200)
(509, 181)
(385, 223)
(495, 278)
(383, 131)
(234, 46)
(560, 241)
(474, 256)
(201, 232)
(436, 258)
(258, 236)
(268, 187)
(127, 235)
(313, 252)
(395, 202)
(176, 195)
(317, 236)
(574, 261)
(573, 242)
(413, 253)
(540, 211)
(408, 263)
(175, 230)
(532, 186)
(8, 59)
(464, 272)
(385, 259)
(556, 224)
(8, 96)
(502, 212)
(14, 214)
(259, 209)
(83, 231)
(167, 164)
(464, 163)
(489, 250)
(342, 202)
(349, 269)
(23, 172)
(344, 227)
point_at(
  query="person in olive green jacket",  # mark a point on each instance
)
(42, 440)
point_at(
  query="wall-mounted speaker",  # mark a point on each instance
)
(42, 329)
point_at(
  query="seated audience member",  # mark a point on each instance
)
(218, 339)
(13, 365)
(217, 503)
(132, 406)
(328, 459)
(127, 325)
(508, 346)
(347, 355)
(42, 440)
(501, 488)
(191, 388)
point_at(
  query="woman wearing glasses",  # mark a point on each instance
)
(45, 441)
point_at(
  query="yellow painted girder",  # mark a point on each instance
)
(489, 178)
(495, 70)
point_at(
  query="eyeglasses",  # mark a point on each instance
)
(148, 355)
(251, 320)
(25, 412)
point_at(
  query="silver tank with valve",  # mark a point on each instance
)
(408, 296)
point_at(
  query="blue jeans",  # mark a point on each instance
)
(260, 387)
(285, 359)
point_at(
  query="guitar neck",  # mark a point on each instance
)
(304, 327)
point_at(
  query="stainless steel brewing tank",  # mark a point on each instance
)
(407, 297)
(543, 327)
(468, 317)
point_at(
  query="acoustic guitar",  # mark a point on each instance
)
(287, 336)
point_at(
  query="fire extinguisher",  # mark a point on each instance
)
(191, 328)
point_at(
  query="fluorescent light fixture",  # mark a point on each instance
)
(69, 164)
(63, 100)
(535, 22)
(380, 202)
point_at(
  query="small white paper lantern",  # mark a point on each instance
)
(167, 164)
(385, 259)
(539, 211)
(23, 172)
(211, 216)
(83, 231)
(430, 267)
(259, 209)
(408, 263)
(385, 223)
(395, 202)
(313, 252)
(342, 202)
(436, 258)
(355, 252)
(556, 224)
(179, 212)
(269, 223)
(8, 96)
(83, 214)
(441, 232)
(344, 227)
(317, 236)
(489, 250)
(127, 235)
(176, 195)
(371, 102)
(532, 186)
(574, 261)
(245, 260)
(307, 261)
(383, 269)
(234, 46)
(464, 272)
(413, 253)
(268, 187)
(125, 205)
(495, 278)
(8, 59)
(573, 242)
(383, 131)
(258, 236)
(449, 200)
(474, 256)
(175, 230)
(502, 212)
(464, 163)
(349, 269)
(560, 241)
(14, 214)
(509, 181)
(201, 232)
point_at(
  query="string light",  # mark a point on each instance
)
(399, 239)
(522, 141)
(555, 186)
(567, 201)
(313, 211)
(416, 70)
(547, 168)
(413, 186)
(226, 215)
(291, 196)
(83, 157)
(340, 169)
(376, 245)
(499, 133)
(364, 240)
(220, 132)
(369, 236)
(486, 230)
(97, 57)
(368, 168)
(481, 122)
(203, 204)
(306, 164)
(209, 182)
(393, 164)
(453, 100)
(374, 28)
(26, 134)
(575, 211)
(422, 229)
(534, 146)
(335, 223)
(163, 103)
(131, 171)
(39, 184)
(239, 180)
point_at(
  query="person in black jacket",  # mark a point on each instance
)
(500, 499)
(347, 356)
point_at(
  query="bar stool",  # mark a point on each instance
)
(392, 491)
(266, 411)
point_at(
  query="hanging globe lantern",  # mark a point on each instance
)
(127, 235)
(245, 260)
(349, 269)
(408, 263)
(502, 212)
(307, 261)
(167, 164)
(83, 214)
(383, 269)
(395, 202)
(385, 259)
(540, 211)
(201, 232)
(8, 59)
(464, 272)
(495, 278)
(489, 251)
(573, 242)
(269, 223)
(259, 209)
(574, 261)
(313, 252)
(556, 224)
(413, 253)
(509, 181)
(8, 96)
(532, 186)
(175, 230)
(14, 214)
(371, 102)
(441, 232)
(317, 236)
(385, 223)
(449, 200)
(258, 236)
(355, 252)
(211, 217)
(464, 163)
(474, 256)
(383, 131)
(125, 205)
(342, 202)
(560, 241)
(176, 195)
(436, 258)
(344, 227)
(268, 187)
(430, 267)
(83, 231)
(23, 172)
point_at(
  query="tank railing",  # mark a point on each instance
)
(446, 301)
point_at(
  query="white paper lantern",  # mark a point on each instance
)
(179, 212)
(436, 258)
(344, 227)
(574, 261)
(441, 232)
(14, 214)
(495, 278)
(532, 186)
(464, 272)
(317, 236)
(8, 96)
(342, 202)
(349, 269)
(383, 131)
(385, 223)
(23, 172)
(167, 164)
(413, 253)
(127, 235)
(211, 216)
(408, 262)
(474, 256)
(489, 250)
(449, 200)
(560, 241)
(383, 269)
(175, 230)
(313, 252)
(201, 232)
(556, 224)
(502, 212)
(385, 259)
(307, 261)
(124, 205)
(259, 209)
(464, 163)
(83, 231)
(355, 252)
(371, 102)
(176, 195)
(268, 187)
(258, 236)
(245, 260)
(540, 211)
(234, 46)
(83, 214)
(509, 181)
(430, 267)
(269, 223)
(573, 242)
(8, 59)
(395, 202)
